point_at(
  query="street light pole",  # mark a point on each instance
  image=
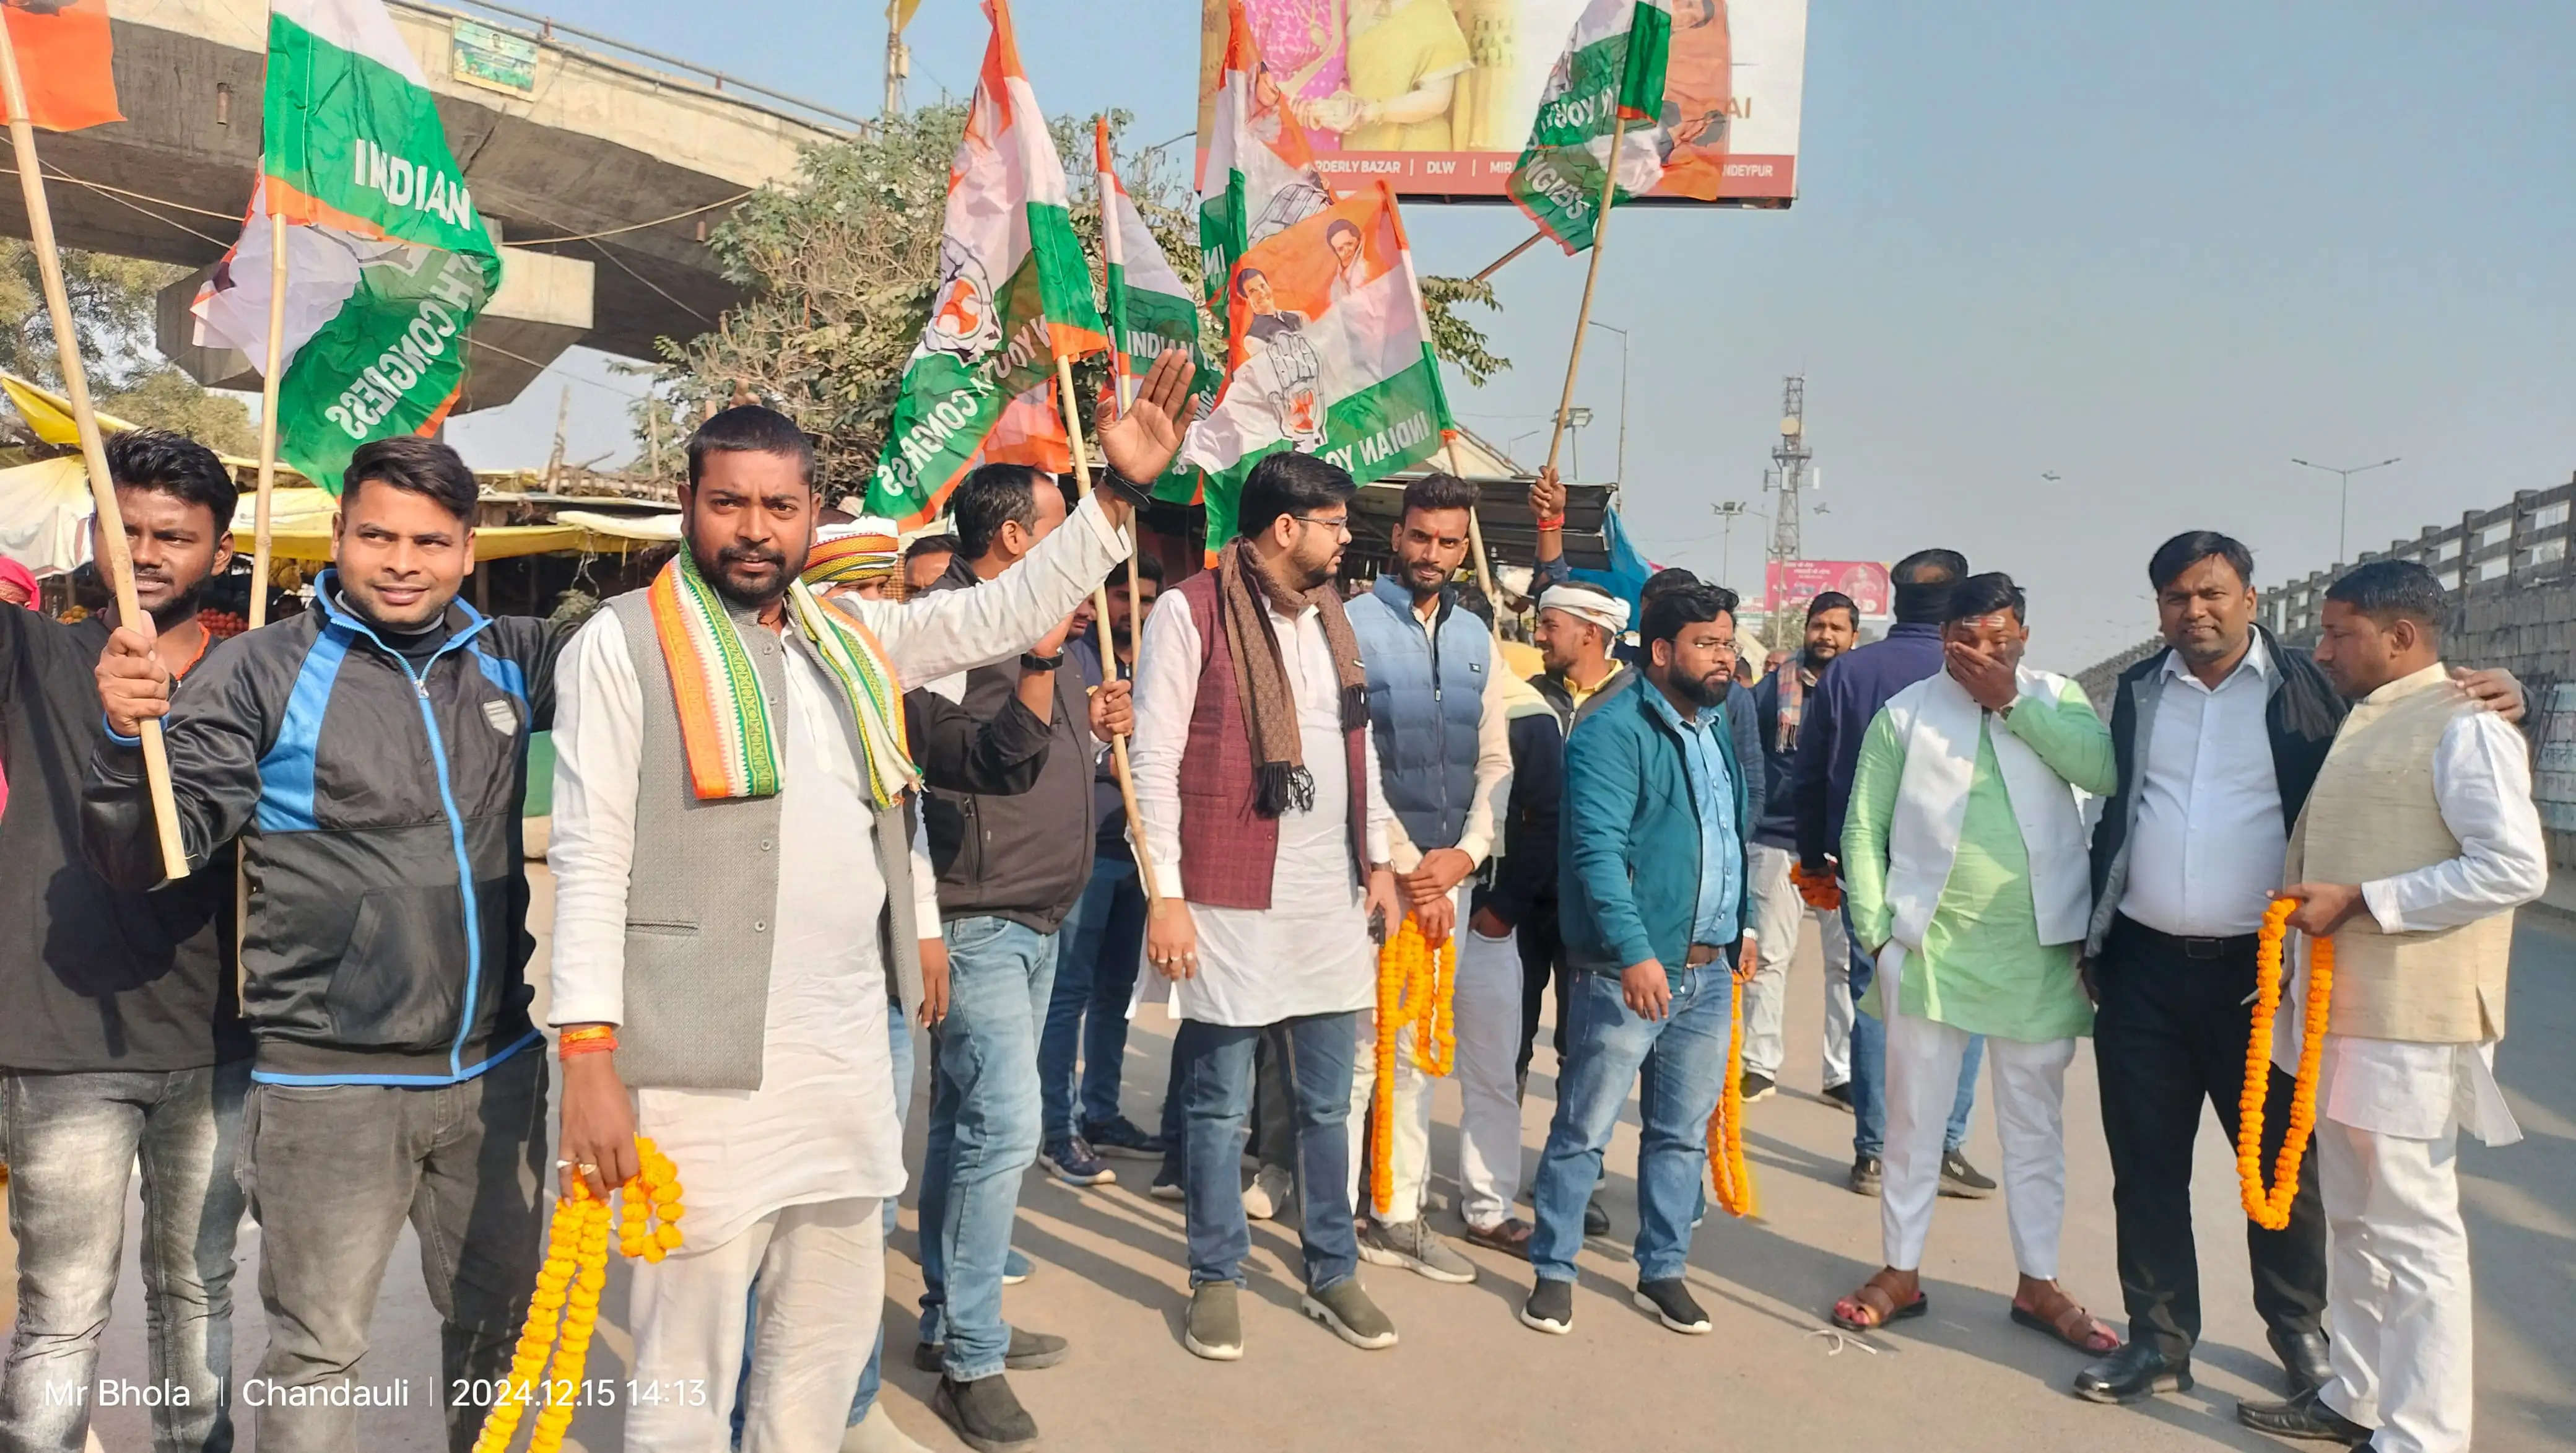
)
(1730, 512)
(2343, 514)
(1623, 395)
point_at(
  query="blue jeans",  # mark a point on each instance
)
(1869, 1065)
(1215, 1069)
(899, 1051)
(983, 1133)
(70, 1141)
(1682, 1058)
(1095, 973)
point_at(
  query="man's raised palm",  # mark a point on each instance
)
(1140, 443)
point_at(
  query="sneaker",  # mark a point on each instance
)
(1864, 1175)
(1672, 1305)
(1122, 1137)
(1596, 1219)
(1271, 1189)
(1167, 1187)
(1550, 1307)
(876, 1433)
(1346, 1309)
(1016, 1267)
(1839, 1095)
(986, 1415)
(1414, 1246)
(1754, 1087)
(1029, 1351)
(1072, 1162)
(1960, 1179)
(1214, 1329)
(1510, 1236)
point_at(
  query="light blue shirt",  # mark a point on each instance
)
(1719, 918)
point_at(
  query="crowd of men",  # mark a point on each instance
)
(814, 790)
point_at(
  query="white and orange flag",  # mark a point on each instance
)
(1257, 174)
(64, 54)
(1014, 296)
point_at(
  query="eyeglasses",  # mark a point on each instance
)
(1341, 527)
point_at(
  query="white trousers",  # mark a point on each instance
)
(2028, 1085)
(1412, 1150)
(821, 1272)
(1488, 1011)
(2397, 1287)
(1779, 915)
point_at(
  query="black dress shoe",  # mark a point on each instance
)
(2305, 1357)
(2304, 1416)
(2134, 1372)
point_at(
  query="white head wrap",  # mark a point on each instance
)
(1606, 611)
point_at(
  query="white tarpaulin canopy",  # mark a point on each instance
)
(44, 515)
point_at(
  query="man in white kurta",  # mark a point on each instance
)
(1294, 950)
(2416, 845)
(784, 1181)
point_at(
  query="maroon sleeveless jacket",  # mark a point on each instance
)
(1228, 849)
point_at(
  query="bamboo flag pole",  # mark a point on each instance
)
(1100, 608)
(1592, 275)
(111, 522)
(260, 539)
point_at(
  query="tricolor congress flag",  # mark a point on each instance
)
(1331, 356)
(64, 53)
(387, 261)
(1258, 175)
(1150, 308)
(1014, 296)
(1613, 66)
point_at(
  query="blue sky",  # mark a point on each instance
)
(2155, 250)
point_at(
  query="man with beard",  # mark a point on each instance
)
(1964, 857)
(1779, 907)
(728, 826)
(1438, 716)
(371, 754)
(1257, 782)
(1651, 936)
(121, 1039)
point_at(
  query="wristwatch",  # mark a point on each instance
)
(1137, 495)
(1032, 662)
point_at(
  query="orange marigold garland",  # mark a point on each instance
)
(1729, 1177)
(1416, 984)
(564, 1313)
(2271, 1209)
(1820, 892)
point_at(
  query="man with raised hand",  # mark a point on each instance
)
(720, 956)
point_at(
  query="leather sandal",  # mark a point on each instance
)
(1863, 1312)
(2072, 1325)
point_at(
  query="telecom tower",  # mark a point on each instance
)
(1789, 474)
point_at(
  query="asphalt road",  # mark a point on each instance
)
(1467, 1375)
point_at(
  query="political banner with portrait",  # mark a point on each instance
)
(1437, 98)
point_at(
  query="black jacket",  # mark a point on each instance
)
(2301, 715)
(378, 815)
(956, 752)
(1024, 857)
(1523, 885)
(94, 977)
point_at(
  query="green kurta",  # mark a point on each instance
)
(1982, 967)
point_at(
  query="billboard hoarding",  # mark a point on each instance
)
(1733, 89)
(1790, 584)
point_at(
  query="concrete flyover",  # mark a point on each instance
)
(600, 175)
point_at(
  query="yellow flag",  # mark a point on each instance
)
(49, 414)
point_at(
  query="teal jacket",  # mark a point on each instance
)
(1628, 869)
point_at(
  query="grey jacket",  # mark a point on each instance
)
(699, 919)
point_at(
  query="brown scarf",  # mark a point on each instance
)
(1280, 778)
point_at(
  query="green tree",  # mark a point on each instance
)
(112, 306)
(839, 267)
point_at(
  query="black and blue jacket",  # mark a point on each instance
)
(377, 807)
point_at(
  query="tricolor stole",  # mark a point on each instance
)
(725, 728)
